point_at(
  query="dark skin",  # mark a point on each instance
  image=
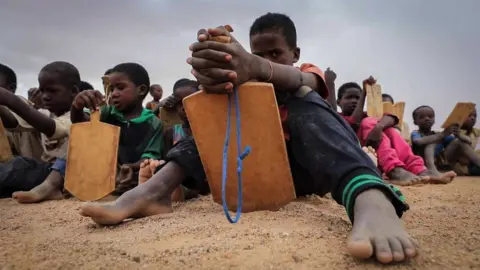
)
(56, 97)
(353, 102)
(425, 119)
(156, 92)
(377, 230)
(330, 77)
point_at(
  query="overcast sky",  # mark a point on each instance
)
(421, 51)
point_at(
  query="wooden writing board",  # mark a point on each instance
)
(5, 148)
(459, 114)
(374, 101)
(92, 159)
(397, 109)
(267, 179)
(169, 118)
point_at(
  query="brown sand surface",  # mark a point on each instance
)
(307, 234)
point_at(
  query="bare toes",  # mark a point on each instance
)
(397, 249)
(383, 253)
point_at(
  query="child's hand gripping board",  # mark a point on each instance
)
(397, 109)
(5, 148)
(92, 159)
(459, 114)
(267, 179)
(374, 101)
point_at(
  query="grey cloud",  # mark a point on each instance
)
(414, 48)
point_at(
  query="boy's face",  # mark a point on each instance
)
(125, 95)
(471, 121)
(3, 84)
(55, 95)
(424, 118)
(349, 100)
(180, 94)
(156, 91)
(274, 47)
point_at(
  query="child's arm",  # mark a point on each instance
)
(90, 99)
(330, 77)
(8, 119)
(419, 140)
(461, 137)
(34, 118)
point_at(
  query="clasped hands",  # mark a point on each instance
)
(219, 67)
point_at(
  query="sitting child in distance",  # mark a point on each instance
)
(58, 86)
(374, 205)
(156, 92)
(449, 144)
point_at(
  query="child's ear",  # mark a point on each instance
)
(75, 91)
(143, 90)
(12, 87)
(296, 55)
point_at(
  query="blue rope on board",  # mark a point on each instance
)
(240, 157)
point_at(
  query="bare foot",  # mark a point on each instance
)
(436, 177)
(147, 169)
(378, 232)
(371, 153)
(43, 192)
(401, 177)
(135, 203)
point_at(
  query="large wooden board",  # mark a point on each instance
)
(92, 159)
(374, 101)
(267, 179)
(459, 114)
(397, 109)
(5, 148)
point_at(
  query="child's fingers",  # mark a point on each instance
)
(212, 55)
(214, 76)
(202, 35)
(222, 88)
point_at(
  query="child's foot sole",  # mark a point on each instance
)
(43, 192)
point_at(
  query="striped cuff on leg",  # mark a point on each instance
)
(364, 182)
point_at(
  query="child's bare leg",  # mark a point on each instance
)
(50, 189)
(377, 230)
(151, 198)
(457, 148)
(436, 177)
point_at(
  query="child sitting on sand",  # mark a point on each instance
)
(156, 91)
(181, 89)
(58, 85)
(318, 165)
(449, 144)
(464, 166)
(395, 157)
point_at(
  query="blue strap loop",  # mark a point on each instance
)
(241, 156)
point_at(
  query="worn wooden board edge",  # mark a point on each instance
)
(374, 101)
(459, 114)
(218, 199)
(5, 147)
(397, 109)
(114, 161)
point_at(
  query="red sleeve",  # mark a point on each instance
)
(350, 119)
(309, 68)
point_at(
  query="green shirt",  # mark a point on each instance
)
(140, 137)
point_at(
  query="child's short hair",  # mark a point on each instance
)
(276, 22)
(345, 86)
(85, 86)
(415, 112)
(135, 72)
(67, 73)
(108, 72)
(10, 76)
(387, 96)
(185, 82)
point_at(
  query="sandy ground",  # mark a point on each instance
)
(308, 234)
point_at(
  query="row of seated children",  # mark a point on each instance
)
(309, 125)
